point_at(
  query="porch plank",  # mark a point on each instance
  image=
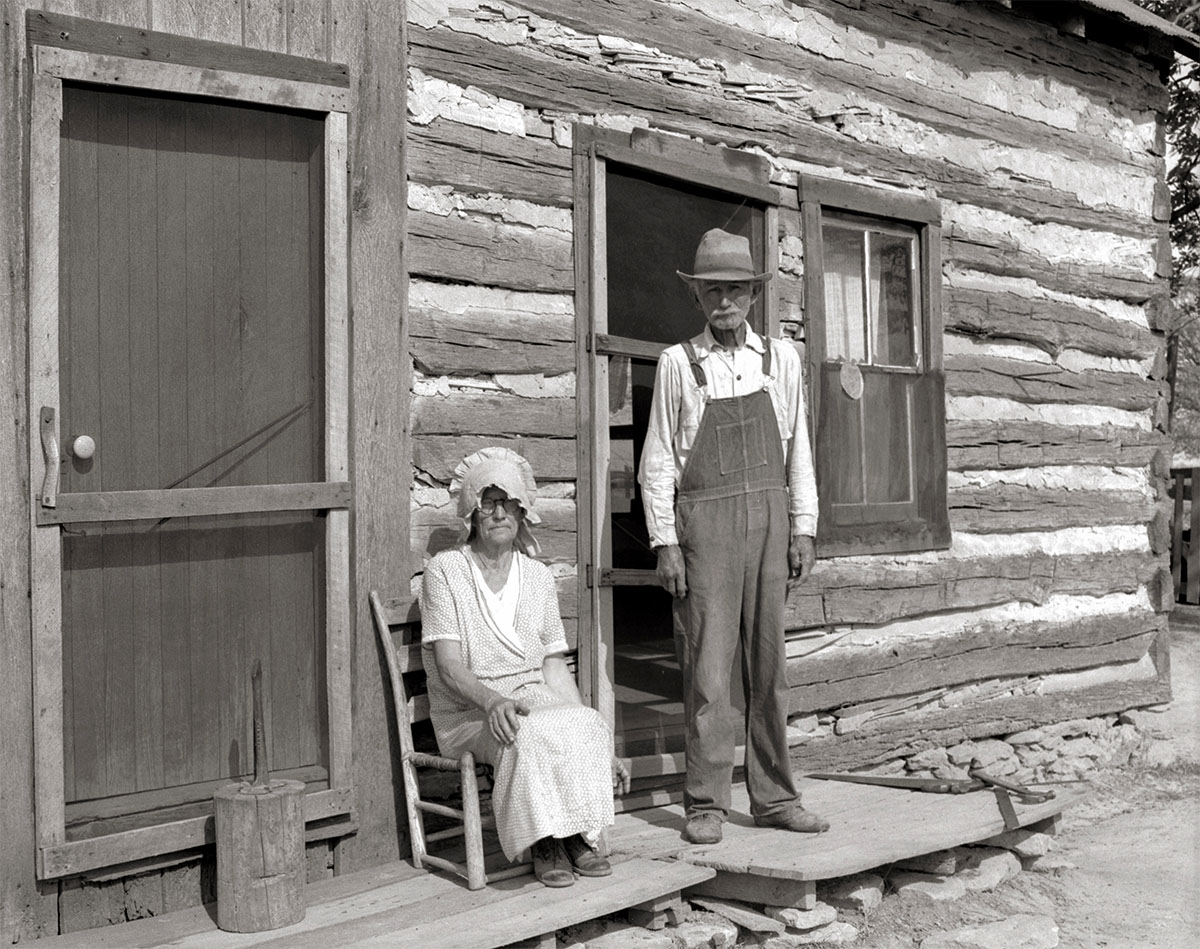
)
(870, 827)
(398, 906)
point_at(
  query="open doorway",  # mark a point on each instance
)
(653, 224)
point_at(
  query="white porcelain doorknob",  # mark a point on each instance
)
(84, 446)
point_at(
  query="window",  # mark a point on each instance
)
(877, 393)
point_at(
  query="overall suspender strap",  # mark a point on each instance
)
(694, 362)
(698, 370)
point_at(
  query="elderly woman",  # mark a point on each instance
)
(499, 686)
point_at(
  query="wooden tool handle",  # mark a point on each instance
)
(262, 774)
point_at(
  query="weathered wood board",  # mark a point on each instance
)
(396, 906)
(870, 827)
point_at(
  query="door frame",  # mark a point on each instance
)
(719, 168)
(66, 49)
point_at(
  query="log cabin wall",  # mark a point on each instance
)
(1042, 140)
(369, 39)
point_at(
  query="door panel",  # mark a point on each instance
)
(190, 350)
(652, 227)
(190, 301)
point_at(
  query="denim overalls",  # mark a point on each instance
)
(731, 515)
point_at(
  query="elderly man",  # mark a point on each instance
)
(731, 508)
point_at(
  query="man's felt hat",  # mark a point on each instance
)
(723, 256)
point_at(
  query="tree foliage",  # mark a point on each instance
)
(1183, 179)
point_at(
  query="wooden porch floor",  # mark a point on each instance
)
(870, 827)
(400, 906)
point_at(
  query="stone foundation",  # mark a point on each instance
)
(1063, 751)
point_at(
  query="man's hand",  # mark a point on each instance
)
(802, 554)
(504, 718)
(620, 776)
(671, 572)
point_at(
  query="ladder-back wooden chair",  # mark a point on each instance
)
(396, 620)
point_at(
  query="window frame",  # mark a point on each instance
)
(875, 527)
(70, 49)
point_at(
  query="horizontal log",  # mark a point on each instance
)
(476, 414)
(1017, 444)
(997, 257)
(482, 340)
(1025, 381)
(435, 529)
(695, 36)
(552, 459)
(879, 592)
(480, 250)
(1050, 325)
(480, 160)
(840, 676)
(902, 735)
(543, 81)
(1001, 508)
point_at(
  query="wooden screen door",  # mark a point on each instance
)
(185, 461)
(647, 227)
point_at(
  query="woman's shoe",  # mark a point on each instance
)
(551, 865)
(586, 861)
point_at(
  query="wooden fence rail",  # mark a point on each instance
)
(1185, 536)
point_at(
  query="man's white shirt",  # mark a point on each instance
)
(678, 406)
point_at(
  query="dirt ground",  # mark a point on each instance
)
(1129, 857)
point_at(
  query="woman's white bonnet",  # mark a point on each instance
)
(504, 469)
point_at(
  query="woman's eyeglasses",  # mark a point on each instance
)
(488, 506)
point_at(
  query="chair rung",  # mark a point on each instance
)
(443, 864)
(437, 762)
(438, 809)
(509, 872)
(445, 834)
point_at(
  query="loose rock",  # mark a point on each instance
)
(624, 936)
(926, 886)
(929, 758)
(1017, 932)
(863, 891)
(989, 751)
(940, 862)
(835, 934)
(1022, 842)
(982, 869)
(1050, 863)
(821, 915)
(708, 934)
(1148, 723)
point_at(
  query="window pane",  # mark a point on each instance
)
(870, 291)
(887, 420)
(845, 311)
(892, 285)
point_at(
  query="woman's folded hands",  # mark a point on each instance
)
(504, 718)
